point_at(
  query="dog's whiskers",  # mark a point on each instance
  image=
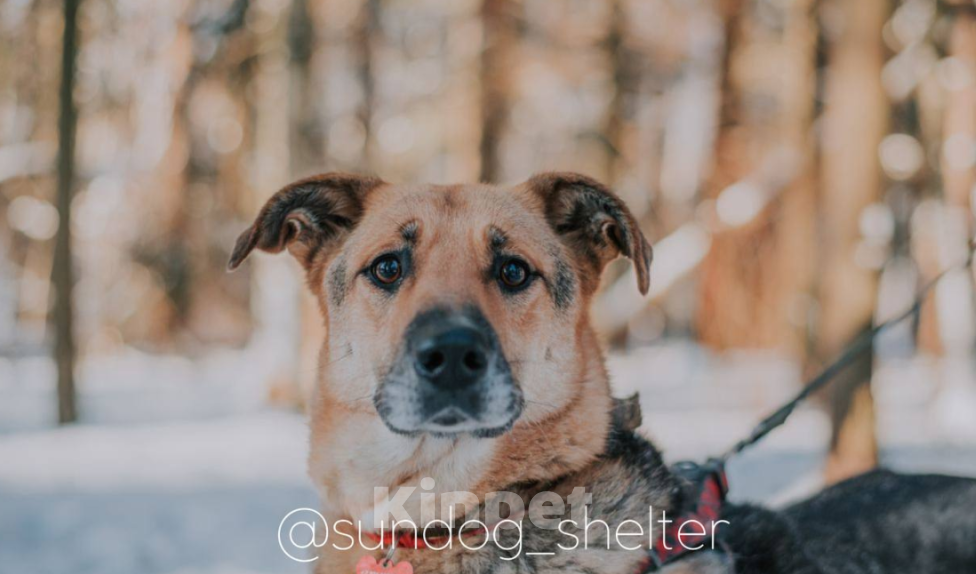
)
(345, 355)
(524, 362)
(362, 398)
(543, 403)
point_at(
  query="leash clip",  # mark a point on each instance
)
(368, 564)
(696, 475)
(388, 561)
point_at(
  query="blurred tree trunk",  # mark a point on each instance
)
(959, 134)
(500, 37)
(307, 145)
(854, 123)
(759, 263)
(367, 27)
(276, 281)
(960, 111)
(178, 242)
(626, 78)
(62, 276)
(307, 138)
(718, 322)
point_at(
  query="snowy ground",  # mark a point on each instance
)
(179, 468)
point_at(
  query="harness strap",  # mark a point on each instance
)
(709, 486)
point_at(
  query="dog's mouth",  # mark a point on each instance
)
(449, 418)
(452, 421)
(450, 378)
(409, 408)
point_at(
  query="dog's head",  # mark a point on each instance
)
(451, 309)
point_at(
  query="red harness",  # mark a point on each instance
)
(713, 486)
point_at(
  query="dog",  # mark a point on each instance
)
(460, 358)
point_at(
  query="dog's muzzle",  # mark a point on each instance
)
(450, 377)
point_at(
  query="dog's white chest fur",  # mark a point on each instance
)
(365, 479)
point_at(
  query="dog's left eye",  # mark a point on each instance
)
(514, 273)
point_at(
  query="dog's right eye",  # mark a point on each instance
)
(386, 270)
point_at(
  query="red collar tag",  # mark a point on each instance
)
(369, 565)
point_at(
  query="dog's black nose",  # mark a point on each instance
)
(452, 357)
(450, 377)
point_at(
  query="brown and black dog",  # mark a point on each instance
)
(459, 348)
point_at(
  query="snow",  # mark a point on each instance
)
(180, 467)
(177, 467)
(166, 497)
(260, 448)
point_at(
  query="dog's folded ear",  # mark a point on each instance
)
(305, 216)
(593, 221)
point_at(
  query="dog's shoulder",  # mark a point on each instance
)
(634, 462)
(626, 446)
(630, 454)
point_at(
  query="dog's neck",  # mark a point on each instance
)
(353, 453)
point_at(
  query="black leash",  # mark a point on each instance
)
(861, 344)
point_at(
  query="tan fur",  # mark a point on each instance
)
(553, 352)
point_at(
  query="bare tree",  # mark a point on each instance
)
(761, 259)
(306, 151)
(307, 137)
(499, 37)
(61, 275)
(626, 76)
(366, 29)
(854, 122)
